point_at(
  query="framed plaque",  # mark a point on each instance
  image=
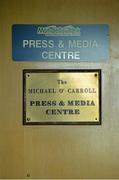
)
(57, 97)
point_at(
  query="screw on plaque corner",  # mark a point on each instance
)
(28, 119)
(28, 175)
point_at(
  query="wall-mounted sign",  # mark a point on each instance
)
(60, 42)
(61, 97)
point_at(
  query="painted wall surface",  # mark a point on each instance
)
(58, 151)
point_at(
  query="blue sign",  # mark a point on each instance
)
(60, 42)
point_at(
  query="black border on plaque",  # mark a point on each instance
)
(56, 71)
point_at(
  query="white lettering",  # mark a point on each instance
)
(82, 44)
(38, 43)
(61, 55)
(25, 43)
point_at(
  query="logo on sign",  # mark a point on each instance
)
(59, 30)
